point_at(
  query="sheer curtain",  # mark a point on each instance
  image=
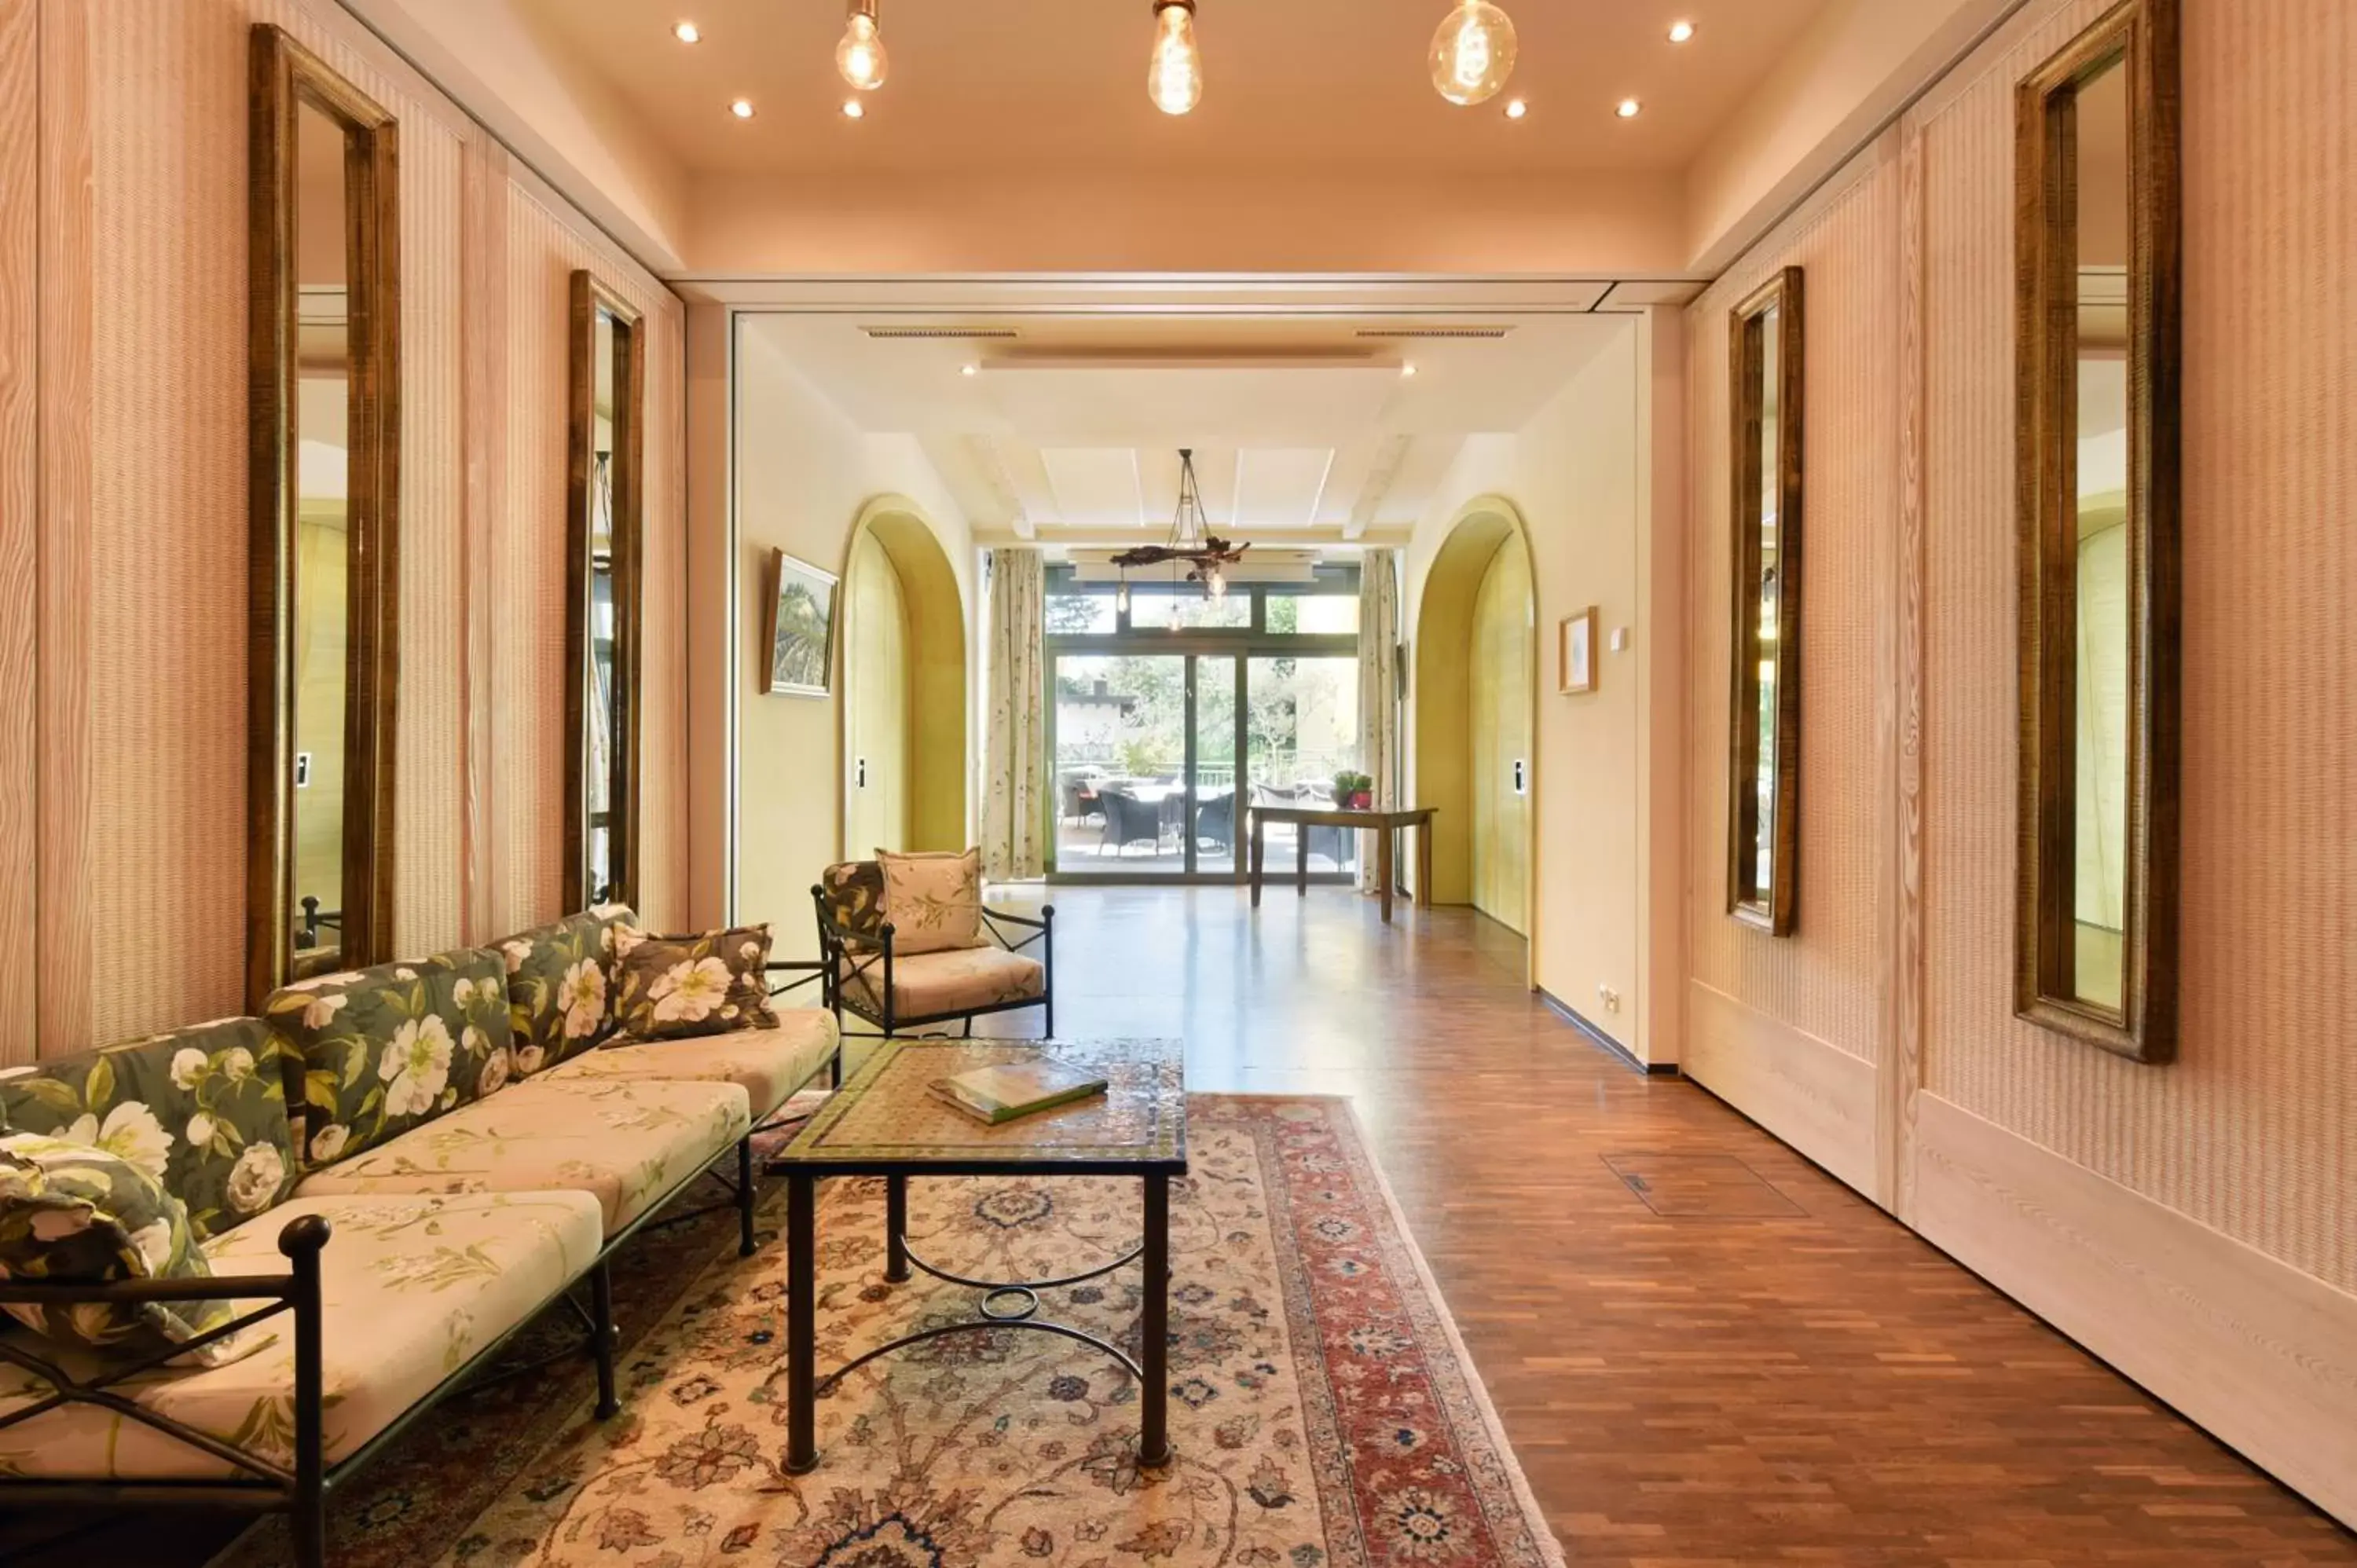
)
(1014, 750)
(1378, 691)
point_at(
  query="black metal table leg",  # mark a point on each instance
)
(745, 1195)
(896, 1230)
(1154, 1394)
(801, 1323)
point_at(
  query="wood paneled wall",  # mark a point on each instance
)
(123, 220)
(2195, 1224)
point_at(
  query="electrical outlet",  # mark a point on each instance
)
(1610, 997)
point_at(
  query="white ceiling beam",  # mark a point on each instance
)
(1389, 458)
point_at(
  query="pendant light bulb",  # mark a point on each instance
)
(1174, 74)
(1216, 586)
(1473, 53)
(1121, 597)
(860, 56)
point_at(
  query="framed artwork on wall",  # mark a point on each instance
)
(798, 626)
(1575, 654)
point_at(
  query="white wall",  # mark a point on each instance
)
(1575, 475)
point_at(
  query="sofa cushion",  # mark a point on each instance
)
(769, 1064)
(937, 982)
(202, 1108)
(71, 1213)
(932, 902)
(561, 985)
(671, 988)
(390, 1048)
(853, 896)
(626, 1145)
(413, 1288)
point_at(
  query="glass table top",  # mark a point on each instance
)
(886, 1113)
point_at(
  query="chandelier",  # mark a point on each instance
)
(1192, 542)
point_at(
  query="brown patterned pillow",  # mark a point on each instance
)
(670, 988)
(932, 902)
(854, 892)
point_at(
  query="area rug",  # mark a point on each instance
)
(1323, 1412)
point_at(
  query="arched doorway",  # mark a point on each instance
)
(904, 689)
(1476, 698)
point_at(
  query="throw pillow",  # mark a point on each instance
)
(75, 1214)
(389, 1049)
(670, 988)
(202, 1110)
(932, 902)
(852, 893)
(561, 986)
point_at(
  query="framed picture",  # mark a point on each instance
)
(1574, 646)
(798, 623)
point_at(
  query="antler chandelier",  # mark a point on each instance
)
(1191, 541)
(1472, 54)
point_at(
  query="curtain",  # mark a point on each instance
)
(1014, 810)
(1378, 694)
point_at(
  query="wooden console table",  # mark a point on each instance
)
(1384, 825)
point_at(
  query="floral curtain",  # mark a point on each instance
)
(1378, 692)
(1014, 785)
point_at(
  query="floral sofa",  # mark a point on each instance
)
(385, 1176)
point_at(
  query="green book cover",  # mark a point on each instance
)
(1001, 1093)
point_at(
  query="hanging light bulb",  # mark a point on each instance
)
(1473, 52)
(1216, 585)
(1121, 595)
(860, 56)
(1174, 73)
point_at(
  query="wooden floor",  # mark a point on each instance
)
(1704, 1350)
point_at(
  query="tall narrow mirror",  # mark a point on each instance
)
(601, 639)
(2099, 599)
(324, 415)
(1763, 789)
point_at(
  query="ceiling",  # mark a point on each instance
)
(1066, 428)
(1062, 83)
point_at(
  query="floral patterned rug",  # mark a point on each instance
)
(1323, 1412)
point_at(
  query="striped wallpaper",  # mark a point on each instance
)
(151, 659)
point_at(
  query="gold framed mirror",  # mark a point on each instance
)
(323, 393)
(605, 504)
(2098, 249)
(1766, 338)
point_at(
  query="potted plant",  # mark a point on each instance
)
(1354, 792)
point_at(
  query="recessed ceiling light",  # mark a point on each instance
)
(1628, 108)
(1681, 31)
(688, 33)
(854, 110)
(1517, 109)
(742, 108)
(1408, 370)
(969, 370)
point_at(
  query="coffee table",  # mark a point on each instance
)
(884, 1122)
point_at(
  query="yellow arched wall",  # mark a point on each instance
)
(875, 701)
(1445, 700)
(1503, 643)
(928, 672)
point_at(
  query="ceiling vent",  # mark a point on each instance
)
(1490, 334)
(955, 334)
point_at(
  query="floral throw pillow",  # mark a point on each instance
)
(201, 1110)
(561, 985)
(670, 988)
(854, 896)
(389, 1049)
(73, 1213)
(932, 902)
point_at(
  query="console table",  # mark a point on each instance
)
(1384, 825)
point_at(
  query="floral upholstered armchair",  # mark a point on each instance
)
(947, 959)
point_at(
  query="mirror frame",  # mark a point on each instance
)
(2139, 37)
(589, 297)
(1772, 909)
(282, 77)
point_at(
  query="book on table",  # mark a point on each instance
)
(1002, 1093)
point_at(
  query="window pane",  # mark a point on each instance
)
(1189, 610)
(1314, 615)
(1079, 614)
(1121, 749)
(1303, 729)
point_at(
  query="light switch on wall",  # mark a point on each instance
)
(1619, 639)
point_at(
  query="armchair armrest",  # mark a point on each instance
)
(1040, 928)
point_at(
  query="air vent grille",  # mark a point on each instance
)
(958, 334)
(1489, 333)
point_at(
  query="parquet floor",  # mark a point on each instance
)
(1704, 1350)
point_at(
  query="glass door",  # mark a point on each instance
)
(1213, 773)
(1303, 729)
(1120, 764)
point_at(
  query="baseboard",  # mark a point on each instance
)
(1597, 1037)
(1811, 1094)
(2258, 1353)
